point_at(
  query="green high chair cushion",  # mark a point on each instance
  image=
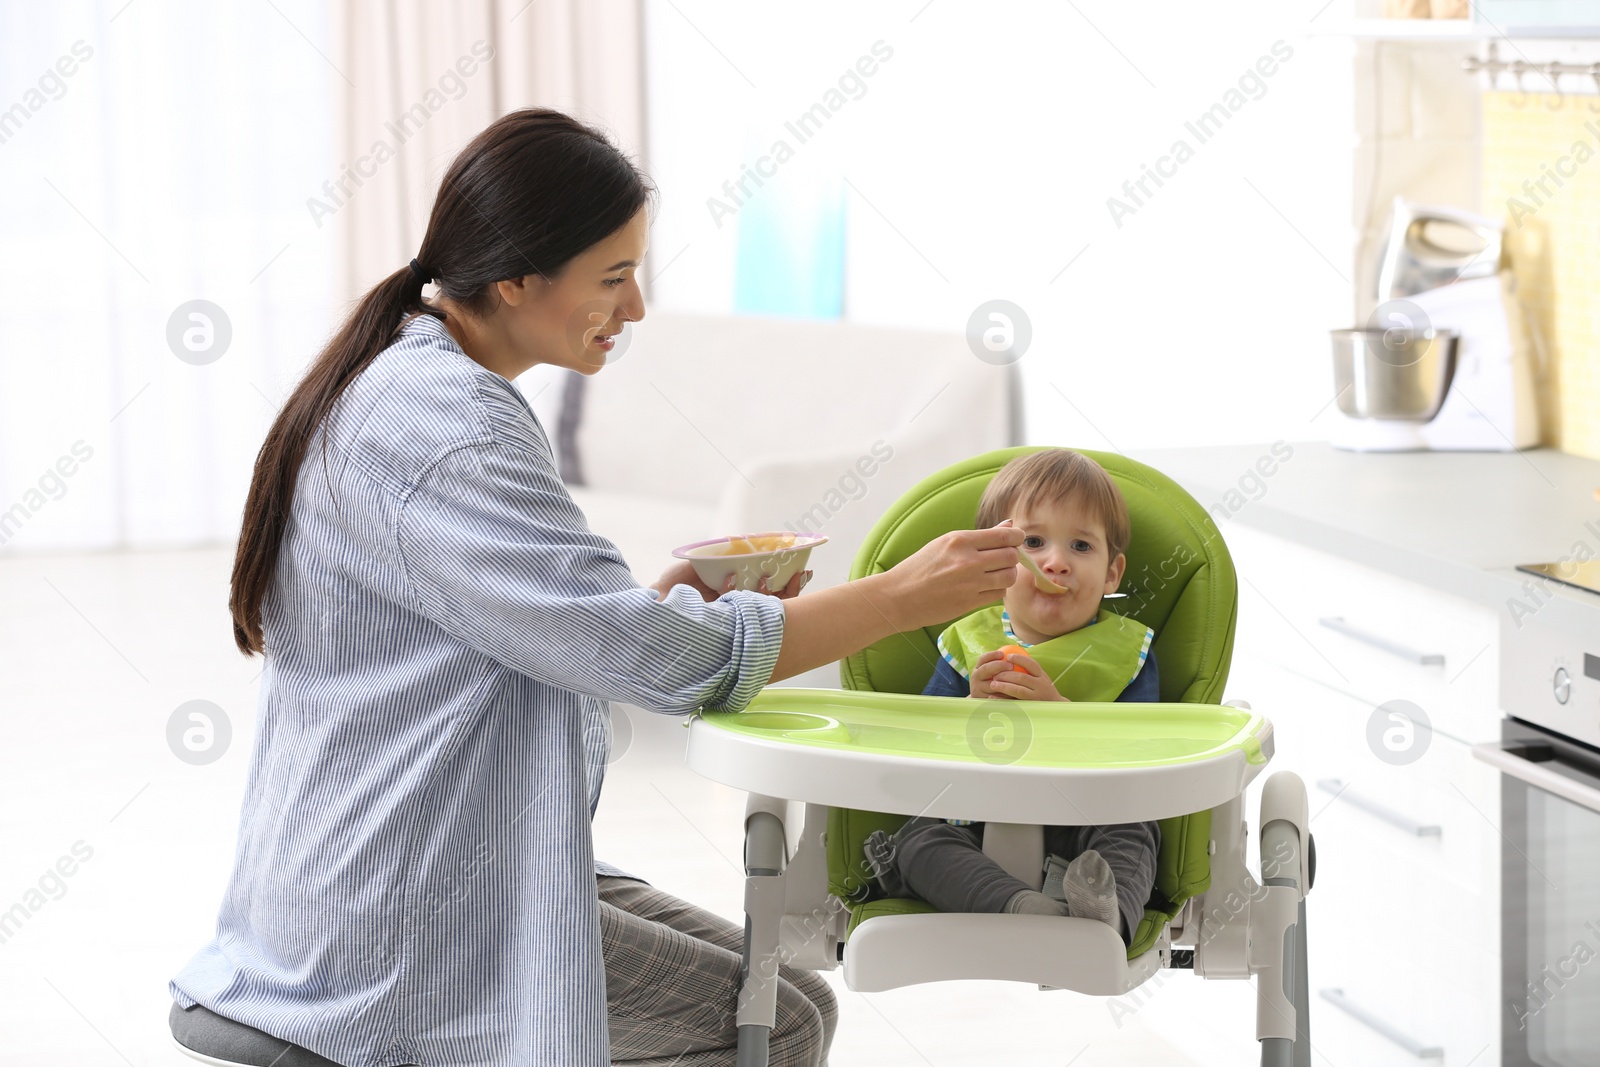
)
(1180, 582)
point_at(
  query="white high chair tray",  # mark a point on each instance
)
(1032, 762)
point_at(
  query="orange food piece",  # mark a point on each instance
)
(1012, 650)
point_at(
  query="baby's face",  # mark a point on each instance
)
(1070, 547)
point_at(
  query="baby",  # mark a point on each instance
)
(1076, 526)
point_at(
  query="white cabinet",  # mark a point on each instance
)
(1370, 634)
(1403, 920)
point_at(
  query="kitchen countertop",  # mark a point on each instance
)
(1459, 522)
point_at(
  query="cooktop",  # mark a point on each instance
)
(1578, 575)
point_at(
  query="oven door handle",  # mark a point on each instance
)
(1537, 775)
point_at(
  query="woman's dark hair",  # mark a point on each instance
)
(531, 192)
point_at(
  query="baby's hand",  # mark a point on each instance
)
(1017, 677)
(989, 664)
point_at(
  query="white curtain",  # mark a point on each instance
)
(153, 155)
(157, 154)
(422, 79)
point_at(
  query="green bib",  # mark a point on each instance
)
(1095, 662)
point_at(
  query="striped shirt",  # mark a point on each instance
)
(414, 879)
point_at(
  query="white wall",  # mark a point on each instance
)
(981, 157)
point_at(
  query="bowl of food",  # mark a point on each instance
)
(775, 555)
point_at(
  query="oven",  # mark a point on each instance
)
(1549, 759)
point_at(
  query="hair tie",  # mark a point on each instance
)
(421, 274)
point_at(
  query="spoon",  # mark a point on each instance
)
(1039, 578)
(1047, 585)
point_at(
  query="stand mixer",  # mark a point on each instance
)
(1436, 367)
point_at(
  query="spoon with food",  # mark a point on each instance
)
(1039, 578)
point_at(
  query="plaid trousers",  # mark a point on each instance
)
(672, 971)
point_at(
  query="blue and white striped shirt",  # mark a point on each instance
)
(414, 879)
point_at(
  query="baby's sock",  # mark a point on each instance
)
(1091, 889)
(1028, 902)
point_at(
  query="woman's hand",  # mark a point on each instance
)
(952, 576)
(683, 573)
(948, 577)
(1017, 678)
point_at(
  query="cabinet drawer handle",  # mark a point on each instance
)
(1372, 807)
(1337, 998)
(1337, 624)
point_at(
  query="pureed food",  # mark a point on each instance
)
(740, 546)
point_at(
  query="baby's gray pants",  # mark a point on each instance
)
(945, 865)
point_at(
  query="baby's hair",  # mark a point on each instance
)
(1057, 474)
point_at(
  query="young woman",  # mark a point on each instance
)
(415, 880)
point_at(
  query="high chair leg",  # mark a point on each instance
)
(765, 856)
(1302, 994)
(1278, 927)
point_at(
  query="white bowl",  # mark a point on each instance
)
(717, 558)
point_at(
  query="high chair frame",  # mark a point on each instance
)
(799, 755)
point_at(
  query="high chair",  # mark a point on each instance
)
(824, 768)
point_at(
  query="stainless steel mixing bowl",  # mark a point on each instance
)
(1393, 374)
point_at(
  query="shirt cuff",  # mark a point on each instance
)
(757, 640)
